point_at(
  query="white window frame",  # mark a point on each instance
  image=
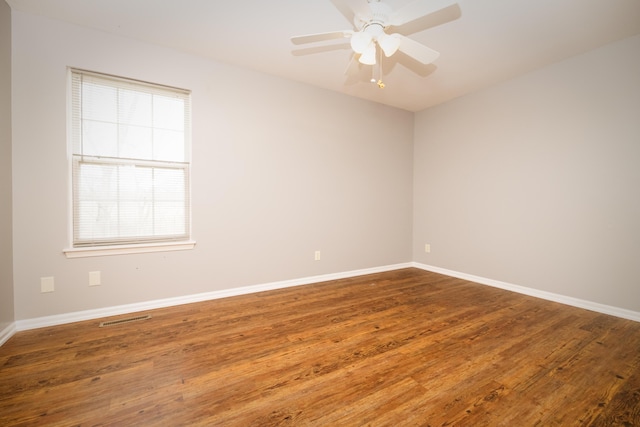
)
(116, 246)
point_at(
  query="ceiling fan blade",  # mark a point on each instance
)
(319, 37)
(320, 48)
(344, 9)
(417, 51)
(439, 17)
(417, 10)
(353, 8)
(352, 67)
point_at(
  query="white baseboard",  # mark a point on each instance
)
(550, 296)
(40, 322)
(7, 333)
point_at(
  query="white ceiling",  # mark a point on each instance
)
(488, 41)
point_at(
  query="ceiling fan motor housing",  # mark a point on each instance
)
(380, 13)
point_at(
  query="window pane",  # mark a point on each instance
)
(135, 142)
(135, 183)
(168, 113)
(135, 218)
(99, 102)
(97, 182)
(170, 184)
(100, 219)
(170, 218)
(168, 145)
(99, 138)
(134, 108)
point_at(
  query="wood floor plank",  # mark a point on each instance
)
(624, 407)
(406, 347)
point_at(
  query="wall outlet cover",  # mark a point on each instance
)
(47, 284)
(94, 278)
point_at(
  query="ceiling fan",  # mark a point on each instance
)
(372, 20)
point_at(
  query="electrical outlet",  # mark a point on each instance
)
(317, 256)
(94, 278)
(427, 248)
(47, 284)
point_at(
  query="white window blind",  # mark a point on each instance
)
(131, 158)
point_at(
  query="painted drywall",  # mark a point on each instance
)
(6, 251)
(536, 181)
(280, 170)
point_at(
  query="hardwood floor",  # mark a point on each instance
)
(403, 348)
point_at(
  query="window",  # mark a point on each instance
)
(130, 162)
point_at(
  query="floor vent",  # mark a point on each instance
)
(127, 320)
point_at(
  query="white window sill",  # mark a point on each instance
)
(128, 249)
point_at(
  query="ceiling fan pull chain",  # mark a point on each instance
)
(380, 83)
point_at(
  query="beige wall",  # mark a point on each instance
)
(280, 170)
(6, 258)
(536, 181)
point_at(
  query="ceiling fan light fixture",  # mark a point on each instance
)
(368, 57)
(360, 41)
(389, 43)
